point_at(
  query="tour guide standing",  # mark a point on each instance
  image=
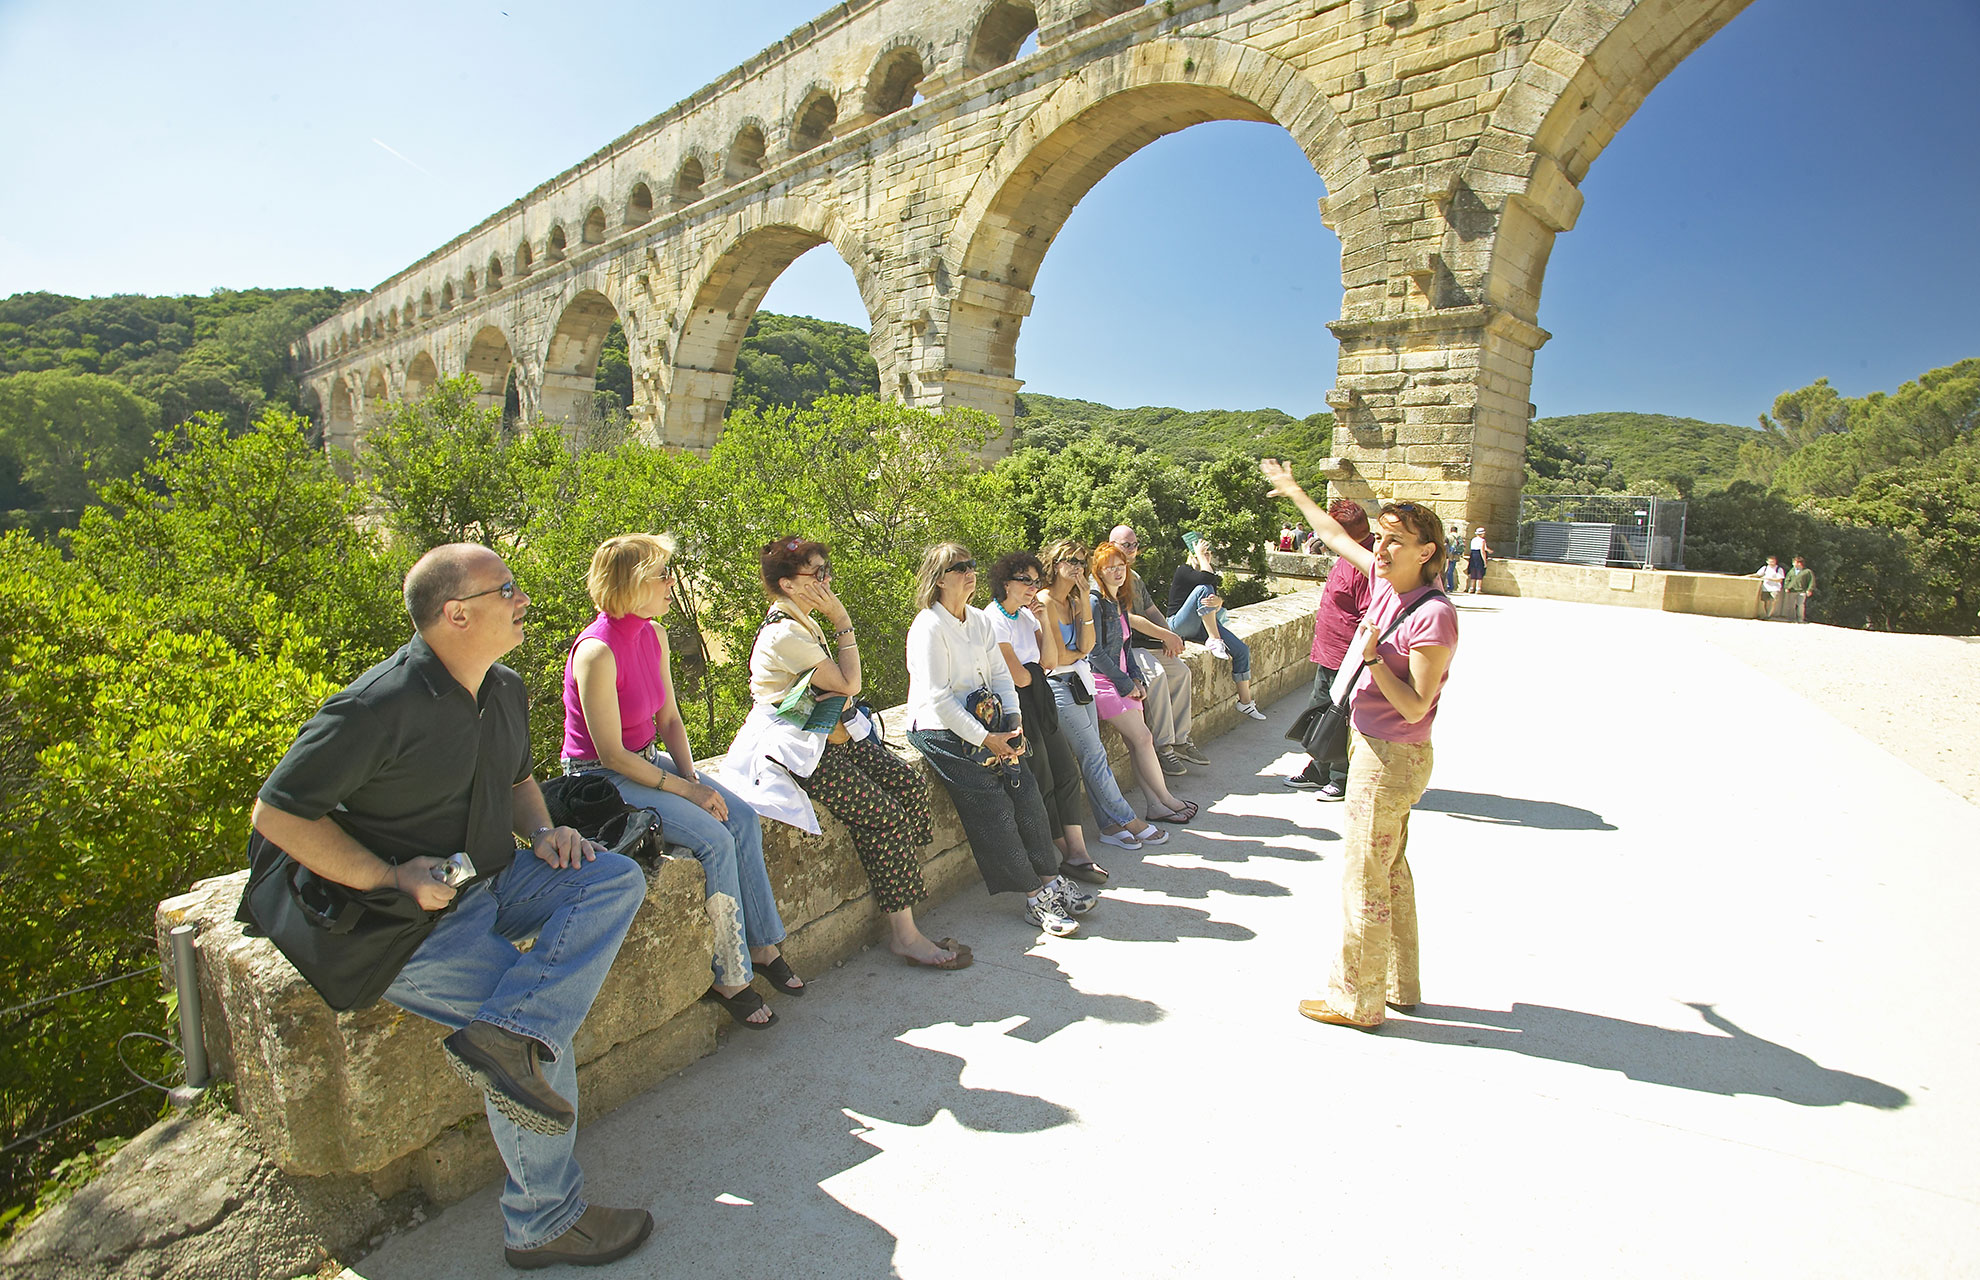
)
(379, 782)
(1393, 705)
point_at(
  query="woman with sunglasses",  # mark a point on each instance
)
(881, 801)
(1121, 691)
(619, 706)
(963, 718)
(1406, 639)
(1065, 610)
(1015, 580)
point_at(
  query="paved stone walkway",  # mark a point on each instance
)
(1696, 958)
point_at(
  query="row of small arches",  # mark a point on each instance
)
(892, 85)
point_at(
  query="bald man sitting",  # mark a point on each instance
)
(427, 754)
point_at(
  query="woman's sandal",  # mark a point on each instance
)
(778, 974)
(741, 1005)
(1184, 814)
(1089, 871)
(962, 958)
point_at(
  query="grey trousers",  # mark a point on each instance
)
(1171, 687)
(1009, 834)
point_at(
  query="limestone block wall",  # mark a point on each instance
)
(1452, 137)
(1716, 595)
(369, 1092)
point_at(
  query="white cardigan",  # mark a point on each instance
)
(946, 661)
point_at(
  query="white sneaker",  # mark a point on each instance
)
(1044, 911)
(1251, 709)
(1216, 645)
(1122, 839)
(1073, 899)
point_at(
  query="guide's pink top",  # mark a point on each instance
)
(642, 691)
(1435, 623)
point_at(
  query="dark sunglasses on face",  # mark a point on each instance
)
(1025, 582)
(823, 573)
(508, 590)
(961, 566)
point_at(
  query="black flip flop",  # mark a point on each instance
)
(778, 974)
(1180, 816)
(740, 1006)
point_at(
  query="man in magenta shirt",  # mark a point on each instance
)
(1342, 602)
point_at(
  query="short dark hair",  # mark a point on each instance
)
(435, 578)
(786, 558)
(1352, 517)
(1008, 566)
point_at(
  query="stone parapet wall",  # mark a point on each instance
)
(369, 1093)
(1716, 595)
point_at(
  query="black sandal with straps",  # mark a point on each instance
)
(778, 974)
(741, 1005)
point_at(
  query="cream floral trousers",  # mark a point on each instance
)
(1378, 897)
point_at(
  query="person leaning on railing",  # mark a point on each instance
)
(1394, 704)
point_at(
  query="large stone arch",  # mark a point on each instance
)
(340, 427)
(490, 358)
(569, 361)
(1093, 122)
(722, 294)
(422, 375)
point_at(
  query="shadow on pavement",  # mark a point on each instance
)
(1733, 1062)
(1199, 882)
(1510, 811)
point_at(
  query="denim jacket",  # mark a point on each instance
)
(1109, 646)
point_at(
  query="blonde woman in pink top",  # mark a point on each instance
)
(619, 707)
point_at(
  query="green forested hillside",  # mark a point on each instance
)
(1634, 452)
(784, 360)
(84, 382)
(1048, 422)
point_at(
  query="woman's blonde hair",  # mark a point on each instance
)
(1105, 556)
(1063, 549)
(934, 564)
(621, 566)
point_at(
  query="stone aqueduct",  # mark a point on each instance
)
(1451, 136)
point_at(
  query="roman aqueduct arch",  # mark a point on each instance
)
(1452, 136)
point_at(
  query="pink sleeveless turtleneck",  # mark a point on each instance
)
(642, 692)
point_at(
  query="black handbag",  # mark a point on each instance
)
(590, 804)
(348, 943)
(1323, 731)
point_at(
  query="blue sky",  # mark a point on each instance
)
(1798, 199)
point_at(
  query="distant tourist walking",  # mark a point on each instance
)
(1772, 579)
(1453, 549)
(1800, 586)
(1474, 572)
(1407, 641)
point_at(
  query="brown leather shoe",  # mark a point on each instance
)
(507, 1068)
(600, 1236)
(1321, 1011)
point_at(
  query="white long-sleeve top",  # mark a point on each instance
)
(948, 660)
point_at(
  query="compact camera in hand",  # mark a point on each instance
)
(455, 871)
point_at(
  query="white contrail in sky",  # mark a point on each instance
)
(414, 164)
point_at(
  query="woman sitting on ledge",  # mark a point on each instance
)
(963, 718)
(1196, 612)
(1121, 691)
(619, 705)
(784, 766)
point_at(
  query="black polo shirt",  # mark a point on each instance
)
(392, 759)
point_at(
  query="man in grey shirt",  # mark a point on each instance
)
(1158, 652)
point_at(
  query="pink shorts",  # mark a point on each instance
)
(1109, 703)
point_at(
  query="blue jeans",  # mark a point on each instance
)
(741, 905)
(1081, 725)
(469, 968)
(1188, 623)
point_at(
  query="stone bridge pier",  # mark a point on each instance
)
(910, 136)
